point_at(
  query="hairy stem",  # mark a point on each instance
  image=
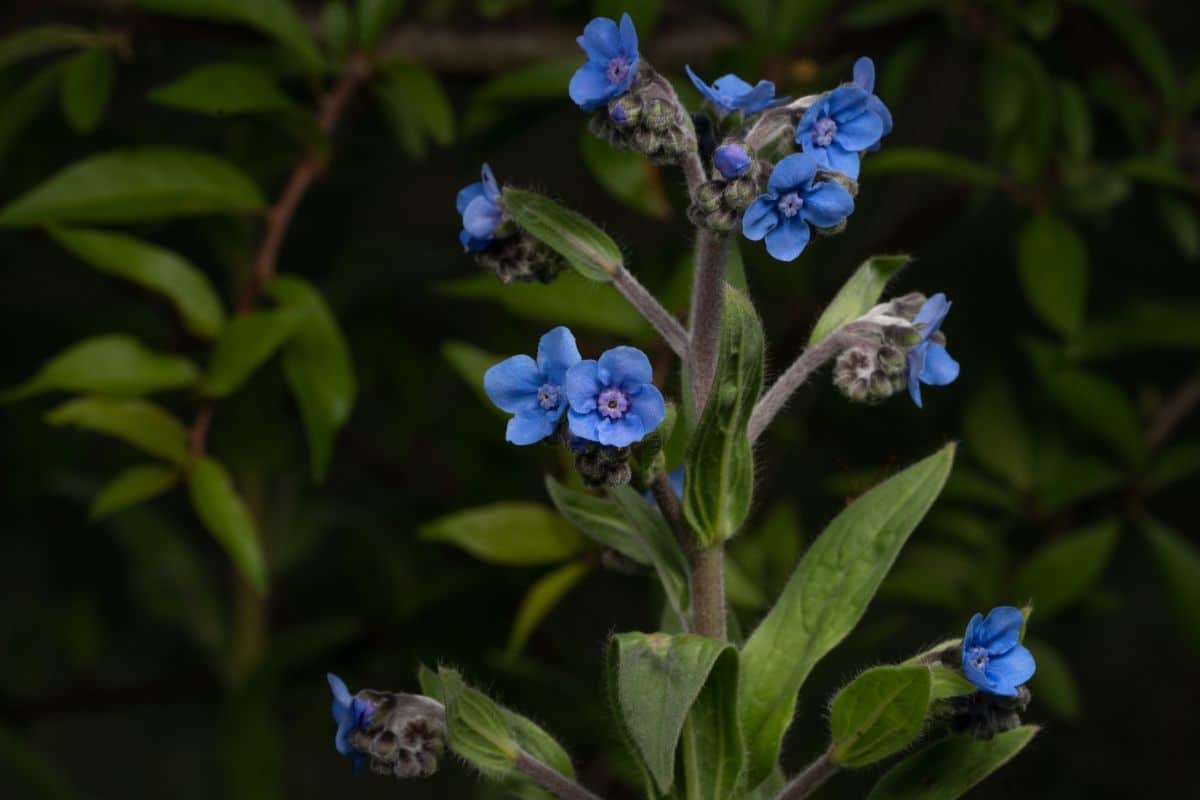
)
(647, 304)
(707, 307)
(812, 777)
(706, 585)
(668, 503)
(552, 780)
(781, 391)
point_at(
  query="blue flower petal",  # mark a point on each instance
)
(860, 132)
(581, 387)
(839, 159)
(471, 244)
(1000, 630)
(490, 187)
(759, 98)
(940, 368)
(731, 160)
(916, 363)
(557, 353)
(629, 40)
(827, 205)
(601, 40)
(732, 86)
(931, 314)
(466, 195)
(584, 424)
(628, 368)
(977, 676)
(792, 173)
(648, 406)
(845, 103)
(760, 218)
(1012, 668)
(513, 383)
(590, 88)
(788, 241)
(531, 427)
(864, 74)
(620, 432)
(879, 109)
(481, 218)
(821, 156)
(341, 693)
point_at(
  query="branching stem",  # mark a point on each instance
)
(663, 321)
(810, 779)
(707, 307)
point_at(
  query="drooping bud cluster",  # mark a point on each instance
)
(601, 465)
(647, 119)
(870, 373)
(405, 735)
(520, 258)
(983, 715)
(738, 179)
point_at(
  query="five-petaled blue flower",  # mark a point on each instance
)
(479, 205)
(730, 93)
(532, 391)
(732, 160)
(612, 399)
(612, 62)
(350, 713)
(864, 78)
(792, 202)
(993, 657)
(928, 361)
(839, 126)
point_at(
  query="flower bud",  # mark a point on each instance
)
(404, 736)
(626, 110)
(983, 715)
(891, 360)
(880, 386)
(732, 160)
(723, 220)
(829, 176)
(658, 114)
(906, 306)
(708, 196)
(741, 192)
(600, 465)
(521, 258)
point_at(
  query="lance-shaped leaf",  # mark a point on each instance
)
(859, 294)
(138, 422)
(133, 486)
(373, 16)
(475, 726)
(226, 517)
(316, 363)
(153, 268)
(719, 474)
(1061, 572)
(949, 682)
(510, 533)
(661, 545)
(591, 251)
(825, 598)
(85, 88)
(714, 746)
(35, 41)
(245, 344)
(135, 186)
(654, 679)
(1179, 561)
(880, 713)
(470, 363)
(222, 90)
(600, 520)
(275, 18)
(948, 769)
(1054, 271)
(114, 364)
(541, 599)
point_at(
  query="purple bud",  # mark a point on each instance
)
(732, 160)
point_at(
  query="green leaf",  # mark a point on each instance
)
(570, 300)
(1075, 120)
(476, 729)
(600, 520)
(880, 713)
(153, 268)
(1003, 90)
(902, 160)
(85, 88)
(1147, 326)
(1139, 38)
(719, 473)
(138, 422)
(373, 18)
(541, 599)
(1174, 464)
(1054, 271)
(1159, 172)
(949, 768)
(226, 517)
(660, 545)
(1179, 561)
(25, 102)
(222, 90)
(114, 364)
(514, 89)
(1054, 684)
(948, 682)
(471, 362)
(714, 747)
(335, 29)
(132, 487)
(654, 679)
(998, 437)
(245, 344)
(1041, 17)
(741, 589)
(136, 186)
(858, 295)
(510, 533)
(412, 95)
(317, 365)
(275, 18)
(1061, 572)
(627, 176)
(538, 743)
(1181, 222)
(591, 251)
(825, 598)
(36, 41)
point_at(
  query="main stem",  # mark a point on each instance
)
(707, 306)
(810, 779)
(551, 779)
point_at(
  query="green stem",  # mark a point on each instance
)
(810, 779)
(706, 587)
(552, 780)
(707, 307)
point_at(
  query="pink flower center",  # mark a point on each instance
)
(612, 403)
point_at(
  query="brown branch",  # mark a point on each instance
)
(1172, 412)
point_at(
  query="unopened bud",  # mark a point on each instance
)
(625, 110)
(405, 735)
(741, 192)
(830, 176)
(723, 220)
(521, 258)
(600, 465)
(984, 715)
(658, 114)
(732, 160)
(891, 360)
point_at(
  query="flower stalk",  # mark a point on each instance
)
(669, 328)
(552, 780)
(811, 778)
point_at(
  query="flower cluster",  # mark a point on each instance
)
(395, 733)
(498, 245)
(718, 204)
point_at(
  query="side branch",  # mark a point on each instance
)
(552, 780)
(647, 304)
(810, 779)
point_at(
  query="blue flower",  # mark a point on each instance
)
(612, 62)
(864, 78)
(612, 399)
(839, 126)
(928, 361)
(730, 93)
(532, 391)
(481, 213)
(732, 160)
(350, 713)
(793, 202)
(993, 657)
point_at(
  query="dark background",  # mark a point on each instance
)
(107, 688)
